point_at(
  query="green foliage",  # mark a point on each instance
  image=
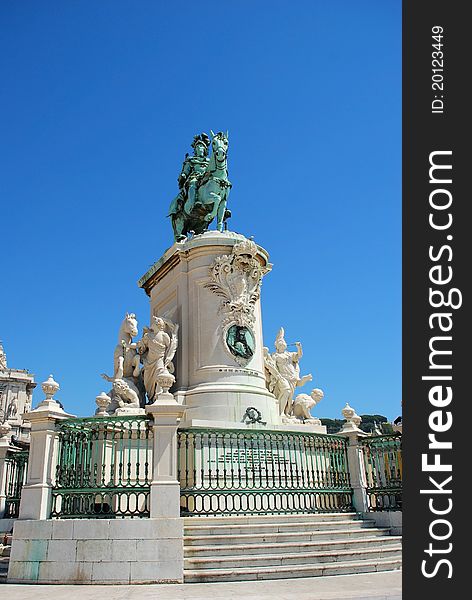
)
(333, 425)
(372, 418)
(387, 428)
(367, 425)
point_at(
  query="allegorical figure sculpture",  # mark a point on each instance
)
(157, 349)
(204, 187)
(12, 409)
(303, 404)
(125, 357)
(130, 383)
(124, 394)
(127, 387)
(283, 373)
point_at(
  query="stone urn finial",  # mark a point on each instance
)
(166, 380)
(102, 401)
(348, 412)
(357, 420)
(50, 387)
(353, 420)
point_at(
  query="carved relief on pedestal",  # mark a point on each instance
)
(237, 279)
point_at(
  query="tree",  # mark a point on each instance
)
(367, 424)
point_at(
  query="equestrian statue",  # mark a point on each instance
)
(204, 188)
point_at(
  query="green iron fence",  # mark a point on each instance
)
(225, 471)
(383, 468)
(16, 471)
(104, 468)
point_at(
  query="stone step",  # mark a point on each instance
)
(297, 536)
(290, 571)
(276, 518)
(292, 547)
(280, 527)
(298, 558)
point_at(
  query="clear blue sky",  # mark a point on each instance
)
(100, 101)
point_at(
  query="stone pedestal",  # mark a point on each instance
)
(356, 466)
(210, 381)
(36, 494)
(165, 488)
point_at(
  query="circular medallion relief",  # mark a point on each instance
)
(240, 341)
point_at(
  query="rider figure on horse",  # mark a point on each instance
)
(193, 169)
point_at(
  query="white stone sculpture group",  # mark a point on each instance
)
(283, 377)
(140, 369)
(144, 369)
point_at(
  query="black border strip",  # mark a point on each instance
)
(425, 132)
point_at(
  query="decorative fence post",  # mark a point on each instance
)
(355, 458)
(165, 488)
(4, 446)
(36, 494)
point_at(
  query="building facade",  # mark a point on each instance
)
(16, 394)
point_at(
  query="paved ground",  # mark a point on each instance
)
(368, 586)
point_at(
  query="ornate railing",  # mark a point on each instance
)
(383, 469)
(226, 471)
(16, 470)
(104, 468)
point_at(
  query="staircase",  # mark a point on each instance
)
(285, 546)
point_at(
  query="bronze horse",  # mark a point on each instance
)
(212, 195)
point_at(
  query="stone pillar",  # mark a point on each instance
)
(355, 458)
(5, 429)
(36, 494)
(165, 488)
(215, 385)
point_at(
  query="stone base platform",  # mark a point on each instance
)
(97, 551)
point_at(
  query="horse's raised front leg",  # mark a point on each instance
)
(216, 202)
